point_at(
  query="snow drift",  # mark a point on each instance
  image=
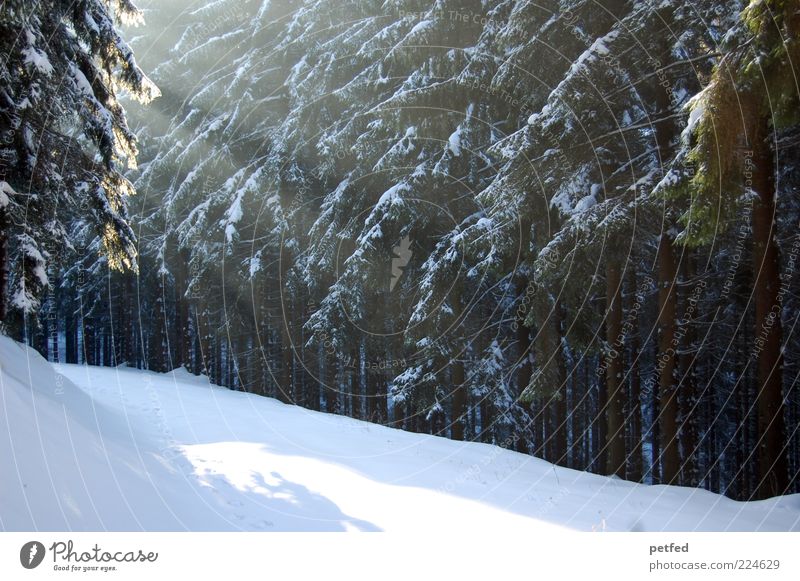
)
(89, 448)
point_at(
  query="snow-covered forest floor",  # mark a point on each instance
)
(90, 448)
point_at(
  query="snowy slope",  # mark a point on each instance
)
(120, 449)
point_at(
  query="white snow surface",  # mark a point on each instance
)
(38, 59)
(89, 448)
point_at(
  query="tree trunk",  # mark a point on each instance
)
(615, 435)
(125, 323)
(772, 466)
(41, 333)
(371, 381)
(285, 387)
(206, 341)
(285, 315)
(3, 265)
(327, 377)
(689, 398)
(108, 356)
(182, 344)
(89, 340)
(459, 399)
(667, 344)
(459, 418)
(599, 453)
(548, 379)
(524, 348)
(558, 405)
(219, 360)
(157, 340)
(634, 413)
(353, 372)
(585, 416)
(70, 334)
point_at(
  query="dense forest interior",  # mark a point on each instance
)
(568, 228)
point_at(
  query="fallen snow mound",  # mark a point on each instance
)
(89, 448)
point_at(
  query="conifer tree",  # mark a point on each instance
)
(64, 137)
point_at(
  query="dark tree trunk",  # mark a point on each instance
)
(89, 340)
(667, 345)
(371, 385)
(744, 452)
(664, 426)
(131, 321)
(539, 444)
(122, 326)
(487, 420)
(711, 469)
(70, 335)
(315, 381)
(206, 341)
(772, 466)
(219, 360)
(198, 363)
(689, 399)
(412, 418)
(285, 387)
(549, 378)
(634, 412)
(353, 371)
(615, 435)
(265, 338)
(3, 265)
(383, 398)
(586, 417)
(327, 376)
(558, 406)
(457, 376)
(182, 343)
(53, 318)
(599, 452)
(524, 378)
(41, 333)
(459, 399)
(108, 354)
(655, 425)
(157, 339)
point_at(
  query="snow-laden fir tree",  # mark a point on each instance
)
(64, 138)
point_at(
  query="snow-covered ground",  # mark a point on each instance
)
(89, 448)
